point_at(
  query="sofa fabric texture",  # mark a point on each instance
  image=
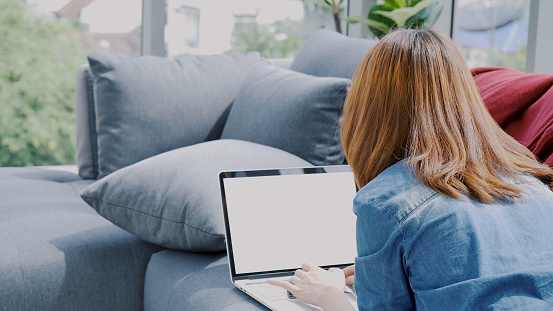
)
(290, 111)
(148, 105)
(522, 104)
(173, 199)
(327, 53)
(57, 253)
(193, 281)
(86, 149)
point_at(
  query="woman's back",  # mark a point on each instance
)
(445, 253)
(453, 213)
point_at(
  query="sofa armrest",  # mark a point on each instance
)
(281, 62)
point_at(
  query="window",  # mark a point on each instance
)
(493, 32)
(43, 44)
(275, 28)
(190, 29)
(104, 25)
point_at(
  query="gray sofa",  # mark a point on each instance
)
(139, 226)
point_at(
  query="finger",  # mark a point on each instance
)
(349, 271)
(349, 281)
(286, 285)
(307, 267)
(299, 273)
(295, 280)
(338, 271)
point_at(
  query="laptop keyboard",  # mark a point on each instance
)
(272, 292)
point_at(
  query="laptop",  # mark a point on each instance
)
(276, 220)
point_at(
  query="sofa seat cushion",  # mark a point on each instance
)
(192, 281)
(57, 253)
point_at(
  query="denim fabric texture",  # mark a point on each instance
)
(418, 249)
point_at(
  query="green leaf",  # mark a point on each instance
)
(324, 4)
(372, 23)
(396, 3)
(427, 17)
(379, 26)
(401, 15)
(381, 19)
(355, 19)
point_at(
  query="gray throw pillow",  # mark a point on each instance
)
(148, 105)
(291, 111)
(327, 53)
(173, 199)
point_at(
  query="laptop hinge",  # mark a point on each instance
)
(269, 275)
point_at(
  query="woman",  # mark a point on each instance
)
(453, 214)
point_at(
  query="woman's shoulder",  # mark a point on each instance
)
(396, 190)
(399, 192)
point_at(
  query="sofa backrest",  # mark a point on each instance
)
(325, 54)
(85, 117)
(86, 130)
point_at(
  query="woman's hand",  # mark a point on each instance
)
(324, 288)
(349, 273)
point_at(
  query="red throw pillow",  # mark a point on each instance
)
(522, 104)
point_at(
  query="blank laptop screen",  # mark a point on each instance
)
(279, 222)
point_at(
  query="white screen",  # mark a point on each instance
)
(280, 222)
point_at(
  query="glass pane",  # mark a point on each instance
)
(275, 28)
(43, 44)
(493, 32)
(104, 25)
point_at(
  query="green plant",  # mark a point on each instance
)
(39, 57)
(266, 39)
(384, 17)
(334, 7)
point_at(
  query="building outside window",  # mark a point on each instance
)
(190, 27)
(106, 25)
(275, 28)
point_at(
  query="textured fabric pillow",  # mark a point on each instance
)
(148, 105)
(522, 104)
(327, 53)
(86, 149)
(173, 199)
(291, 111)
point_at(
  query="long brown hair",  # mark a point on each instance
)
(414, 97)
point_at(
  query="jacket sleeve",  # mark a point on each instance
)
(381, 279)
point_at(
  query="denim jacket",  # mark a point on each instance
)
(418, 249)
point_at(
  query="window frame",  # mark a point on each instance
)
(539, 47)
